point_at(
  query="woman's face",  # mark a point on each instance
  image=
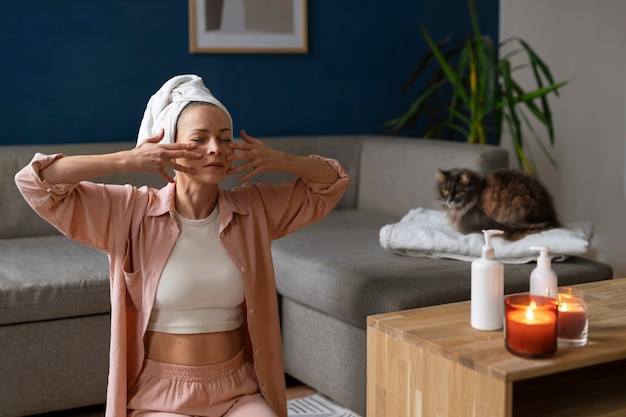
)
(207, 126)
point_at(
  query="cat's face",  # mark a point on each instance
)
(458, 188)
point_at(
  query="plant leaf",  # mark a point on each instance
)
(539, 141)
(447, 69)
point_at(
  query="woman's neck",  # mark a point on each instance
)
(195, 201)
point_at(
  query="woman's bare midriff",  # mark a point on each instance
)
(193, 349)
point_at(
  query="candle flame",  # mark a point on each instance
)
(529, 312)
(563, 307)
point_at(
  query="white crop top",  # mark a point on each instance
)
(201, 289)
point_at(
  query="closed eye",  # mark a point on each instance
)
(201, 140)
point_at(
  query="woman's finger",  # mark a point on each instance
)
(183, 169)
(240, 168)
(246, 137)
(183, 154)
(248, 176)
(158, 138)
(163, 173)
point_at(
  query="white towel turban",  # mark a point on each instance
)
(165, 106)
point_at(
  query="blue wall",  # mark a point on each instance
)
(83, 70)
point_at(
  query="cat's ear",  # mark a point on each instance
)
(466, 178)
(441, 175)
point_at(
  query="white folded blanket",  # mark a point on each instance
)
(427, 233)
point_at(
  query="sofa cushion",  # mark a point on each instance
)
(338, 267)
(51, 277)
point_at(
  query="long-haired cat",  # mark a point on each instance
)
(505, 199)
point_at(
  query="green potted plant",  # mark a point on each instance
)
(471, 92)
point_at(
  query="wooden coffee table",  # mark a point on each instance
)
(430, 362)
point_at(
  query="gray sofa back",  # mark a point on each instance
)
(389, 174)
(399, 174)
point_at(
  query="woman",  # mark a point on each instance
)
(194, 317)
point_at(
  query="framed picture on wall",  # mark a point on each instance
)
(248, 26)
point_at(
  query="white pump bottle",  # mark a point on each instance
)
(543, 279)
(487, 304)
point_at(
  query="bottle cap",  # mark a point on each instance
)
(488, 252)
(543, 261)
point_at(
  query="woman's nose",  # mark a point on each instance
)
(213, 147)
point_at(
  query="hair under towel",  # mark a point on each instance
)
(165, 106)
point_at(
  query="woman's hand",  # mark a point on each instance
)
(150, 156)
(259, 157)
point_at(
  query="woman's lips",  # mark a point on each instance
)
(214, 165)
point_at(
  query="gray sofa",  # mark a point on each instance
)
(54, 306)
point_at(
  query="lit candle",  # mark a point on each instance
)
(531, 323)
(572, 327)
(572, 320)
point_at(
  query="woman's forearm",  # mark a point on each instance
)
(150, 156)
(76, 168)
(311, 169)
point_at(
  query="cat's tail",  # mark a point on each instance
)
(523, 230)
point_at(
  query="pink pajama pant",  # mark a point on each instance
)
(225, 389)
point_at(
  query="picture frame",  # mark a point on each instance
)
(248, 26)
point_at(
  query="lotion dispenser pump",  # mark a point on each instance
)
(543, 279)
(487, 303)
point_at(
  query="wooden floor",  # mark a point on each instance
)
(295, 389)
